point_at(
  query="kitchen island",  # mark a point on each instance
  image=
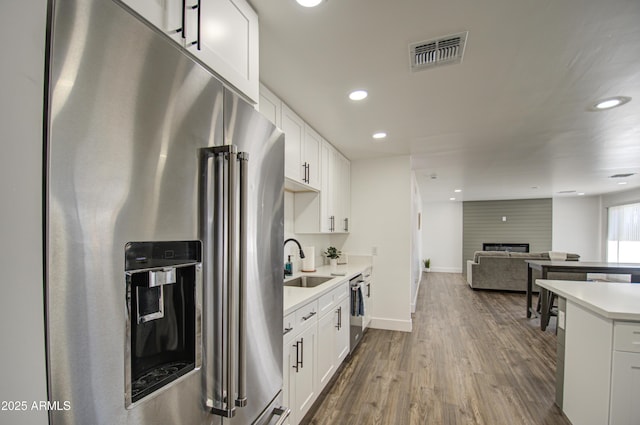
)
(598, 351)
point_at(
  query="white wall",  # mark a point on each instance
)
(381, 218)
(416, 240)
(576, 226)
(442, 235)
(22, 43)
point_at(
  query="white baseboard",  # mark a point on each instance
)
(447, 269)
(391, 324)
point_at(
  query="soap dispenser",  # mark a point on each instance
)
(288, 267)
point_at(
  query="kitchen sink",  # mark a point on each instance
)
(307, 281)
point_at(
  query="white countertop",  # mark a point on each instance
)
(616, 301)
(297, 297)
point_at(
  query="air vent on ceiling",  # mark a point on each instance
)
(621, 176)
(440, 51)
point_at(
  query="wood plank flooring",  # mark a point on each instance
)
(472, 358)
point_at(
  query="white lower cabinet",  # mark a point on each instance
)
(625, 388)
(303, 356)
(314, 348)
(326, 365)
(342, 331)
(602, 369)
(625, 374)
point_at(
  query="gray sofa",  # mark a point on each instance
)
(507, 271)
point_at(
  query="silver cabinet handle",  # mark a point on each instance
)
(283, 412)
(339, 311)
(368, 290)
(286, 331)
(309, 316)
(346, 224)
(302, 352)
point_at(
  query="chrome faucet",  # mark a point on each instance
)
(297, 243)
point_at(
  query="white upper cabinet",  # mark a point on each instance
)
(311, 157)
(342, 193)
(301, 151)
(226, 39)
(329, 211)
(165, 15)
(223, 34)
(314, 169)
(270, 106)
(293, 128)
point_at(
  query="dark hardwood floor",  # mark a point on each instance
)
(472, 358)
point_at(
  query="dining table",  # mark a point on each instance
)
(546, 266)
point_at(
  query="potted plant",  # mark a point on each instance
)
(427, 264)
(333, 253)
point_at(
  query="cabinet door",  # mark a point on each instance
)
(342, 331)
(326, 200)
(293, 128)
(228, 41)
(288, 387)
(304, 376)
(165, 15)
(325, 365)
(343, 192)
(311, 156)
(270, 106)
(625, 388)
(367, 302)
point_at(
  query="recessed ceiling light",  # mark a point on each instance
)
(309, 3)
(609, 103)
(358, 95)
(622, 183)
(458, 190)
(380, 135)
(580, 193)
(452, 199)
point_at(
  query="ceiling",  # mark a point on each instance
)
(513, 120)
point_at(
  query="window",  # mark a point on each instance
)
(623, 241)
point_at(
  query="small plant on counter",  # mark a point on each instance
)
(332, 253)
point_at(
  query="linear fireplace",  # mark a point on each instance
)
(512, 247)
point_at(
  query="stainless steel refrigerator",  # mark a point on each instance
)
(164, 226)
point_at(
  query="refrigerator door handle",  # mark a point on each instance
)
(221, 330)
(241, 400)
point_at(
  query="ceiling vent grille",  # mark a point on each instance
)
(440, 51)
(621, 176)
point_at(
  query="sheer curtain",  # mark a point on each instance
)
(623, 241)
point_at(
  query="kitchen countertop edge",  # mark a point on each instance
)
(615, 301)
